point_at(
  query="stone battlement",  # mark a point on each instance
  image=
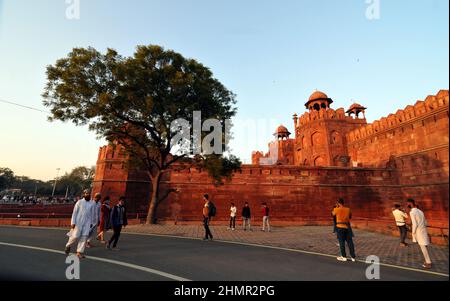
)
(422, 109)
(329, 113)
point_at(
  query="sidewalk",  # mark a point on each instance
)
(313, 239)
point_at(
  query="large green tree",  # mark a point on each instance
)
(6, 178)
(134, 101)
(76, 181)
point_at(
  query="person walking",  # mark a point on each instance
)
(344, 231)
(246, 217)
(97, 205)
(233, 211)
(118, 221)
(400, 220)
(105, 220)
(419, 231)
(82, 223)
(266, 218)
(207, 211)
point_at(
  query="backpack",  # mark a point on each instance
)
(212, 209)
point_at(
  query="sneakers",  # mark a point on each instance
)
(340, 258)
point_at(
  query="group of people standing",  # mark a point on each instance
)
(342, 216)
(342, 226)
(209, 211)
(418, 228)
(92, 218)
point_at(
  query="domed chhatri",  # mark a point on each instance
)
(357, 109)
(282, 132)
(318, 100)
(318, 95)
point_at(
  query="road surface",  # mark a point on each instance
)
(37, 254)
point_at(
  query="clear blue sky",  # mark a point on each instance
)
(272, 54)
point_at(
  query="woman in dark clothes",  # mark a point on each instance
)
(105, 221)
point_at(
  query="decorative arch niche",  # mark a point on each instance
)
(336, 138)
(319, 161)
(317, 139)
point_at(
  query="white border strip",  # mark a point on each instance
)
(120, 263)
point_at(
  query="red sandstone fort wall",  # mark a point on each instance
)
(294, 194)
(423, 127)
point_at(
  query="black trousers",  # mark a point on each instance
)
(345, 236)
(208, 233)
(233, 222)
(115, 238)
(403, 233)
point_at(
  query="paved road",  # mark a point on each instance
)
(36, 254)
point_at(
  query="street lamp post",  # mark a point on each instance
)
(56, 179)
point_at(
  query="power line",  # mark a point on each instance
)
(23, 106)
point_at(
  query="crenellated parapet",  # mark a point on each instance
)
(422, 109)
(328, 114)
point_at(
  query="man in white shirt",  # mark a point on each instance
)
(233, 211)
(419, 231)
(81, 224)
(400, 219)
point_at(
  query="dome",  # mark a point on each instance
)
(318, 95)
(356, 107)
(282, 131)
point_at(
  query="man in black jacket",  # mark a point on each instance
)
(118, 220)
(246, 216)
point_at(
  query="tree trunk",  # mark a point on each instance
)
(153, 205)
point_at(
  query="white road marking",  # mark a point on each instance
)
(120, 263)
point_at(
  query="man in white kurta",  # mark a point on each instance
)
(83, 218)
(419, 231)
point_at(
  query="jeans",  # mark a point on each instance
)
(115, 238)
(403, 233)
(233, 222)
(208, 233)
(245, 222)
(344, 235)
